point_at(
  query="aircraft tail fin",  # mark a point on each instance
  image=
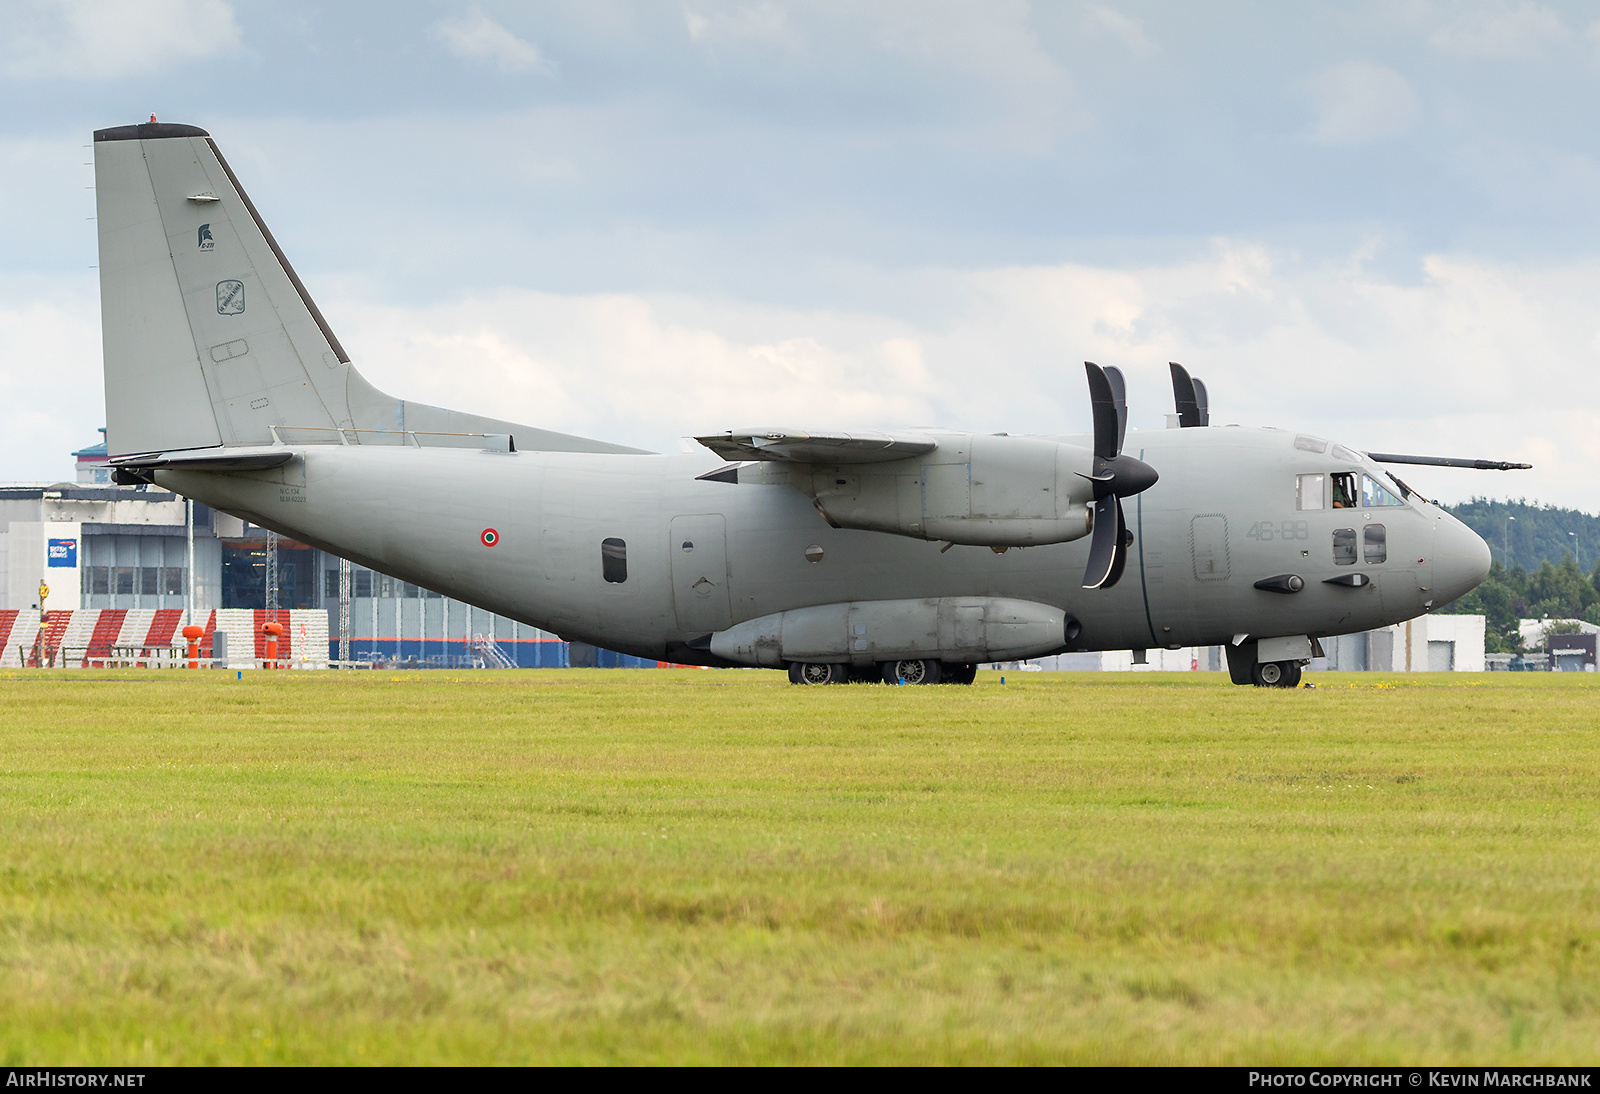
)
(211, 339)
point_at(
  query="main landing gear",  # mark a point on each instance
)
(1276, 674)
(911, 671)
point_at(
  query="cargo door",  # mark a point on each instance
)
(699, 553)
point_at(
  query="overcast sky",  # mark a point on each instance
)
(639, 221)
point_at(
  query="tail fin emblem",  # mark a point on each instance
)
(205, 239)
(230, 297)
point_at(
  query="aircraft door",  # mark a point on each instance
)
(699, 552)
(1208, 540)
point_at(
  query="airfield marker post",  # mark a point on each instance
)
(272, 631)
(193, 633)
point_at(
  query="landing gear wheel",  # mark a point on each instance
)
(911, 672)
(803, 673)
(1276, 674)
(957, 673)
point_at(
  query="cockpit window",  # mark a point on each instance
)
(1340, 452)
(1311, 444)
(1344, 489)
(1373, 494)
(1311, 492)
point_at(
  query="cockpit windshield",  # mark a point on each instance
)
(1349, 489)
(1374, 494)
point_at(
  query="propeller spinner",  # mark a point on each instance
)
(1115, 477)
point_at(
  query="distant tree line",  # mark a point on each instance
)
(1553, 591)
(1536, 572)
(1520, 533)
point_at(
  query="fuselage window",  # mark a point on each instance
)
(1375, 543)
(614, 560)
(1311, 492)
(1373, 494)
(1344, 489)
(1344, 546)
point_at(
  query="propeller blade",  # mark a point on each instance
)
(1107, 550)
(1124, 541)
(1202, 401)
(1103, 401)
(1183, 395)
(1119, 392)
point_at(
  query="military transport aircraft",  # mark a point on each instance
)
(907, 556)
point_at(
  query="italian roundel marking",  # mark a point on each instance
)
(490, 537)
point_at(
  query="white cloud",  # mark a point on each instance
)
(1121, 27)
(622, 366)
(1501, 31)
(1021, 97)
(1360, 101)
(1473, 358)
(1476, 359)
(764, 23)
(480, 37)
(107, 39)
(50, 386)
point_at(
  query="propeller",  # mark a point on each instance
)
(1115, 477)
(1194, 408)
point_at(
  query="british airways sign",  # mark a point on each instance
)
(62, 552)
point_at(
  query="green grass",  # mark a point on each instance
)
(685, 866)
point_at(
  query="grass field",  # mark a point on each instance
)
(686, 866)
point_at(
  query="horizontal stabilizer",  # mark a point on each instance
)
(832, 448)
(1450, 461)
(208, 459)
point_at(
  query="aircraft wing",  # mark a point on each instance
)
(793, 446)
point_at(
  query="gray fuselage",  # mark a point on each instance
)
(1223, 516)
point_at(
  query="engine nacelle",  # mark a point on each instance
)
(981, 490)
(864, 632)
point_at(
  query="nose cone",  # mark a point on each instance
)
(1460, 559)
(1130, 476)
